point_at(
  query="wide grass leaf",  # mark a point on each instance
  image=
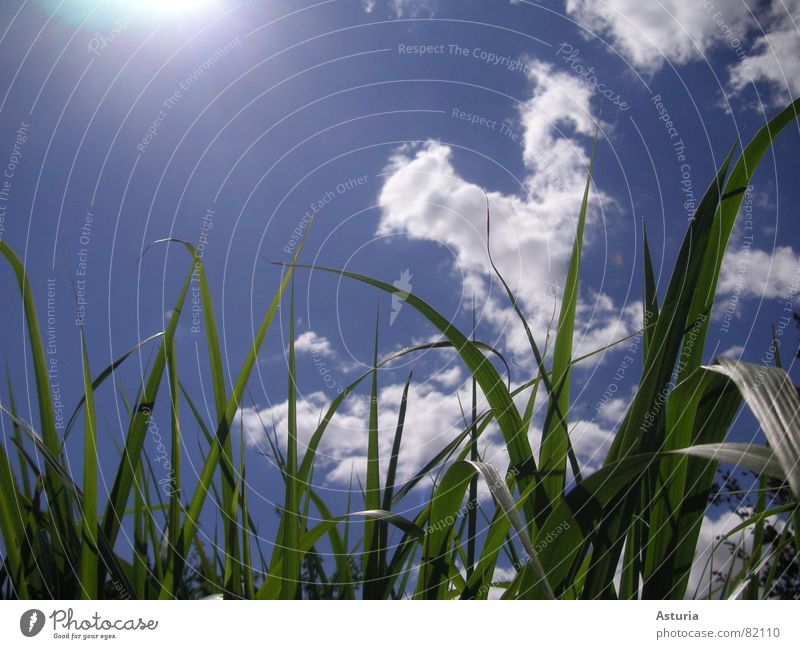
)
(772, 397)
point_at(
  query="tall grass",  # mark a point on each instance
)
(628, 530)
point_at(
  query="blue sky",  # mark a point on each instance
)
(122, 123)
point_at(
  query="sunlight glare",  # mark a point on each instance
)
(171, 6)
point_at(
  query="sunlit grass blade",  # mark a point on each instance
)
(502, 497)
(60, 508)
(772, 397)
(434, 577)
(759, 459)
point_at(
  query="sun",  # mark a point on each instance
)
(95, 13)
(171, 6)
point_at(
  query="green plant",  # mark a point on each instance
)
(638, 516)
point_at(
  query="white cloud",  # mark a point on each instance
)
(346, 426)
(748, 272)
(603, 323)
(403, 8)
(425, 198)
(613, 411)
(651, 33)
(432, 420)
(774, 56)
(500, 575)
(735, 351)
(765, 43)
(412, 8)
(310, 342)
(449, 378)
(590, 439)
(591, 443)
(713, 556)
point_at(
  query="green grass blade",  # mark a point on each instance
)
(60, 504)
(759, 459)
(772, 397)
(11, 525)
(230, 527)
(290, 576)
(472, 514)
(316, 438)
(391, 473)
(650, 295)
(718, 403)
(89, 570)
(22, 464)
(539, 357)
(699, 290)
(137, 430)
(141, 567)
(578, 518)
(643, 427)
(479, 581)
(495, 391)
(435, 571)
(753, 588)
(669, 330)
(175, 560)
(100, 379)
(555, 432)
(213, 457)
(247, 568)
(374, 530)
